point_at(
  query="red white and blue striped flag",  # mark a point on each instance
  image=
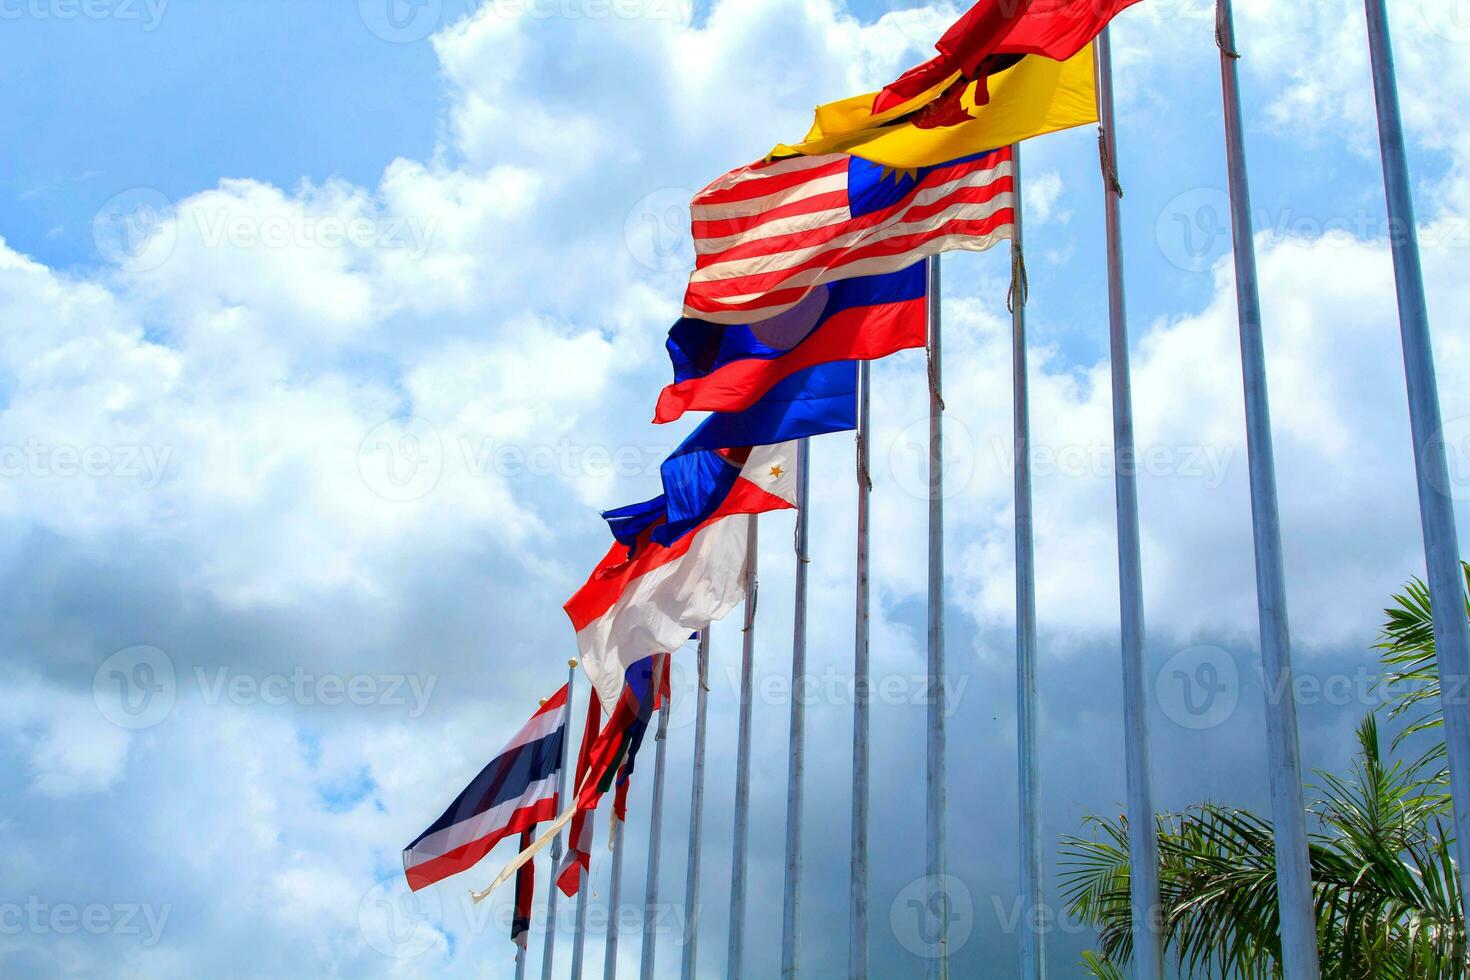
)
(766, 234)
(516, 791)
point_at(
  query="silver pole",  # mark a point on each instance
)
(579, 938)
(937, 967)
(1294, 877)
(696, 816)
(1437, 511)
(796, 767)
(521, 963)
(549, 950)
(857, 954)
(742, 759)
(1143, 842)
(655, 840)
(614, 903)
(1033, 870)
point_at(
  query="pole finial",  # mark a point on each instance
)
(572, 662)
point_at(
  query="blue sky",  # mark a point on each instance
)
(253, 649)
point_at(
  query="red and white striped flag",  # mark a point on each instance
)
(766, 234)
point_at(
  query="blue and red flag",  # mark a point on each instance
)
(720, 368)
(516, 791)
(520, 922)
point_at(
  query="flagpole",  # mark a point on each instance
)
(1437, 510)
(1293, 879)
(796, 767)
(1033, 947)
(549, 950)
(521, 963)
(579, 938)
(742, 758)
(1143, 842)
(937, 967)
(655, 837)
(614, 902)
(857, 955)
(696, 816)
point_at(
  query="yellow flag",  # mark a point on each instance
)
(1034, 97)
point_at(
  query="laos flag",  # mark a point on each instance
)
(729, 368)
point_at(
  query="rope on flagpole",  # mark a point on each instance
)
(1020, 290)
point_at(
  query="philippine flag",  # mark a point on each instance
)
(516, 791)
(720, 368)
(647, 602)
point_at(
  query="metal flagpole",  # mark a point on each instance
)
(579, 939)
(1143, 841)
(742, 758)
(614, 903)
(857, 954)
(1033, 948)
(796, 767)
(1437, 510)
(549, 950)
(1294, 878)
(937, 967)
(655, 835)
(521, 963)
(696, 816)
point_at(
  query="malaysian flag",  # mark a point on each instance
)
(766, 234)
(516, 791)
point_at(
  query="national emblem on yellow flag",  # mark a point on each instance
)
(1034, 97)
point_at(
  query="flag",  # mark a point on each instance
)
(720, 368)
(700, 474)
(1034, 97)
(996, 32)
(579, 852)
(767, 234)
(633, 606)
(645, 686)
(520, 922)
(517, 790)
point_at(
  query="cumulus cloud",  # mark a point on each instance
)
(363, 432)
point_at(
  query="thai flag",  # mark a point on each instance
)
(517, 790)
(606, 759)
(520, 922)
(728, 368)
(649, 601)
(767, 234)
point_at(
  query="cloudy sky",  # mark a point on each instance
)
(328, 328)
